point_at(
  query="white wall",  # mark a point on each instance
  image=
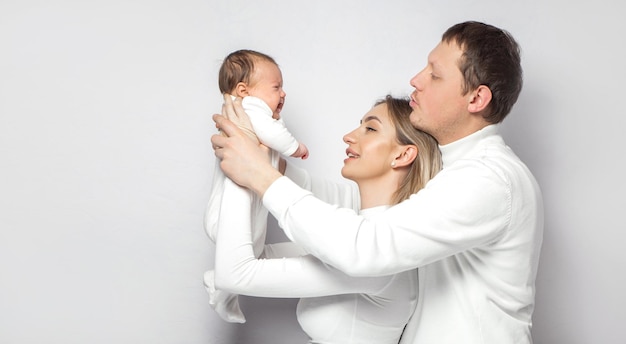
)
(105, 160)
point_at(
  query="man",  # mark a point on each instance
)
(474, 232)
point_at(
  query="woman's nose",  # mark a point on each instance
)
(349, 137)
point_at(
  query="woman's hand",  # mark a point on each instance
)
(243, 159)
(233, 110)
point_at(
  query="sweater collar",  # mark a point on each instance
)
(373, 210)
(460, 148)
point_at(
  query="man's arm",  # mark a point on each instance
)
(453, 213)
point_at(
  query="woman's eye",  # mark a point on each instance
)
(369, 129)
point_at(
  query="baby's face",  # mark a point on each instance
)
(267, 84)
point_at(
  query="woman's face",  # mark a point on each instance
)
(371, 147)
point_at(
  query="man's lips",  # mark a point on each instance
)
(413, 102)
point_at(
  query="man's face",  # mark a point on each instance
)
(439, 107)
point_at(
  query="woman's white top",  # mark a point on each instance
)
(334, 308)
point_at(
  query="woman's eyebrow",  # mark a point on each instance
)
(371, 118)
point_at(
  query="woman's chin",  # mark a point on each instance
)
(345, 172)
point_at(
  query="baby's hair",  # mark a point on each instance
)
(238, 67)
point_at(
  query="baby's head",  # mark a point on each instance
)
(251, 73)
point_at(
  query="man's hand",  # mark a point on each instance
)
(244, 161)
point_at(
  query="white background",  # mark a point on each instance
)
(105, 159)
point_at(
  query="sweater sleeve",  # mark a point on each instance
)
(342, 194)
(238, 271)
(282, 250)
(460, 208)
(271, 132)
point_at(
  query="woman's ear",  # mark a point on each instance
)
(406, 157)
(241, 90)
(480, 99)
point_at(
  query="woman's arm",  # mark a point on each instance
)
(283, 250)
(238, 271)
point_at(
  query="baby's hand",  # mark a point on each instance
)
(302, 152)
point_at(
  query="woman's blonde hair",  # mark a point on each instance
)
(428, 161)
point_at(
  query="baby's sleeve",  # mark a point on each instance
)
(271, 132)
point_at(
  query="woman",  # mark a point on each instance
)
(388, 160)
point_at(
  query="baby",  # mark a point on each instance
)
(256, 78)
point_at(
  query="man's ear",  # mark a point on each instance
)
(241, 90)
(480, 99)
(406, 157)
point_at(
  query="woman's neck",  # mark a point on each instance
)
(377, 192)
